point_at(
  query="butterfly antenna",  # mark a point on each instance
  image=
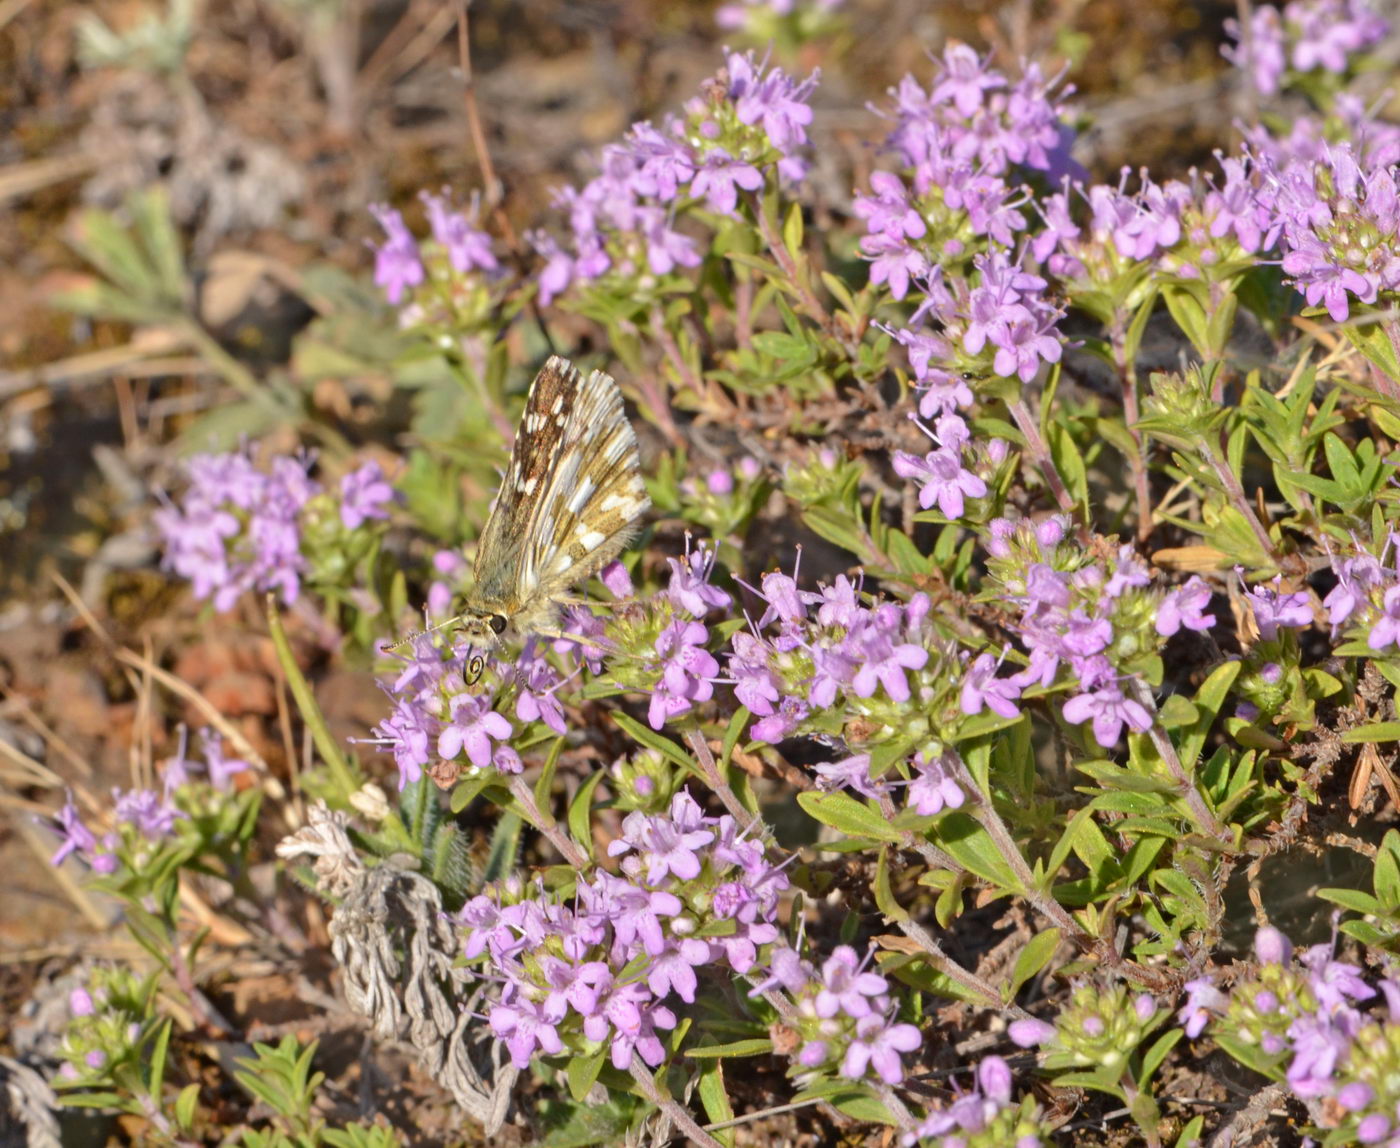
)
(409, 639)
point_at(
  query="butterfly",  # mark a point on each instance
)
(570, 502)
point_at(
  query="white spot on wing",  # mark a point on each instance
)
(589, 539)
(579, 499)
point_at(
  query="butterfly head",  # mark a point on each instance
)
(482, 629)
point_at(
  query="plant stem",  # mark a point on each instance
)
(797, 278)
(1215, 455)
(1040, 453)
(565, 845)
(1127, 378)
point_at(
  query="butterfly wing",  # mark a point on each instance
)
(570, 499)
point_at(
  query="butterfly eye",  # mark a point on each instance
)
(497, 624)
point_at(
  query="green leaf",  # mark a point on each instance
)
(1153, 1057)
(504, 853)
(715, 1097)
(844, 813)
(645, 735)
(546, 778)
(1069, 462)
(964, 839)
(581, 811)
(792, 232)
(733, 732)
(582, 1072)
(1373, 732)
(1032, 958)
(1372, 340)
(1208, 701)
(884, 896)
(187, 1106)
(755, 1046)
(346, 782)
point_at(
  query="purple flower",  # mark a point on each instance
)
(888, 211)
(559, 270)
(77, 837)
(467, 248)
(148, 810)
(882, 661)
(536, 700)
(1029, 1032)
(669, 845)
(851, 773)
(1356, 577)
(525, 1025)
(846, 987)
(237, 528)
(364, 494)
(408, 732)
(1185, 606)
(674, 970)
(894, 261)
(690, 587)
(1263, 59)
(222, 770)
(666, 249)
(397, 266)
(773, 99)
(688, 671)
(786, 603)
(965, 80)
(176, 770)
(1109, 710)
(719, 178)
(755, 684)
(944, 480)
(1202, 1000)
(774, 727)
(1319, 1046)
(1273, 609)
(1387, 628)
(878, 1045)
(1023, 344)
(472, 725)
(933, 787)
(982, 688)
(1271, 947)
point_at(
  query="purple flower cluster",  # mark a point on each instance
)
(437, 718)
(1307, 35)
(825, 650)
(1339, 224)
(400, 265)
(678, 670)
(365, 494)
(237, 528)
(1366, 597)
(151, 815)
(959, 144)
(1073, 612)
(982, 1117)
(600, 968)
(1344, 1064)
(846, 1016)
(975, 118)
(753, 118)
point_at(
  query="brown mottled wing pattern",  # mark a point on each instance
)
(570, 499)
